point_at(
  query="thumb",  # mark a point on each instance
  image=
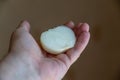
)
(23, 27)
(22, 41)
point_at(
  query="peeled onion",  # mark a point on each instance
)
(58, 39)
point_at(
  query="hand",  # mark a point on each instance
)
(26, 60)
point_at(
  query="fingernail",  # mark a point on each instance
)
(86, 26)
(22, 23)
(71, 23)
(80, 24)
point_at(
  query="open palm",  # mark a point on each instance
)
(27, 58)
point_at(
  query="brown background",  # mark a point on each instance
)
(100, 60)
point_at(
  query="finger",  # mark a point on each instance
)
(80, 45)
(82, 40)
(79, 24)
(22, 29)
(80, 28)
(73, 54)
(77, 28)
(83, 27)
(23, 26)
(22, 40)
(64, 59)
(70, 24)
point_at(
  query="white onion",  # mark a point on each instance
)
(58, 39)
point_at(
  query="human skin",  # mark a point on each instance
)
(26, 60)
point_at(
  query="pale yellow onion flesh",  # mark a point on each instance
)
(58, 39)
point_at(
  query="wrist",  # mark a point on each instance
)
(11, 71)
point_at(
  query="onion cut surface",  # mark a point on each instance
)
(58, 39)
